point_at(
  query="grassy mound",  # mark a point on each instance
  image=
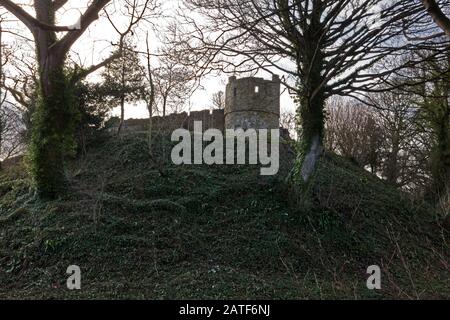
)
(139, 227)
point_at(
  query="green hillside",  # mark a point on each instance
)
(139, 230)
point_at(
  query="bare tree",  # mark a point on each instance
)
(11, 142)
(11, 128)
(323, 48)
(288, 122)
(20, 78)
(402, 150)
(173, 85)
(389, 139)
(150, 93)
(218, 100)
(53, 127)
(428, 86)
(352, 130)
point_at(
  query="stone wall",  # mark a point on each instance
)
(210, 119)
(252, 103)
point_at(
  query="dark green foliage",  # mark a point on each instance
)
(216, 232)
(92, 105)
(123, 78)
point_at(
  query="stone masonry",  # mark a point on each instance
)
(250, 103)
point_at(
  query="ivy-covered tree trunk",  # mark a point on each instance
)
(311, 116)
(440, 161)
(437, 112)
(52, 122)
(52, 135)
(441, 170)
(312, 132)
(445, 133)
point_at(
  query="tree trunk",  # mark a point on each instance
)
(49, 139)
(150, 120)
(122, 114)
(53, 120)
(392, 162)
(151, 98)
(312, 104)
(441, 152)
(441, 157)
(312, 132)
(122, 98)
(437, 15)
(164, 106)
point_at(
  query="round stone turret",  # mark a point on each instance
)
(252, 103)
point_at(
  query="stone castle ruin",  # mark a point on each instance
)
(250, 103)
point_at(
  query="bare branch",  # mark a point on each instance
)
(58, 4)
(438, 16)
(32, 23)
(90, 15)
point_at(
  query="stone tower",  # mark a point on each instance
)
(252, 103)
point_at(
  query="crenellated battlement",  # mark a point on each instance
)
(250, 103)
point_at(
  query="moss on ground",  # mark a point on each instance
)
(215, 232)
